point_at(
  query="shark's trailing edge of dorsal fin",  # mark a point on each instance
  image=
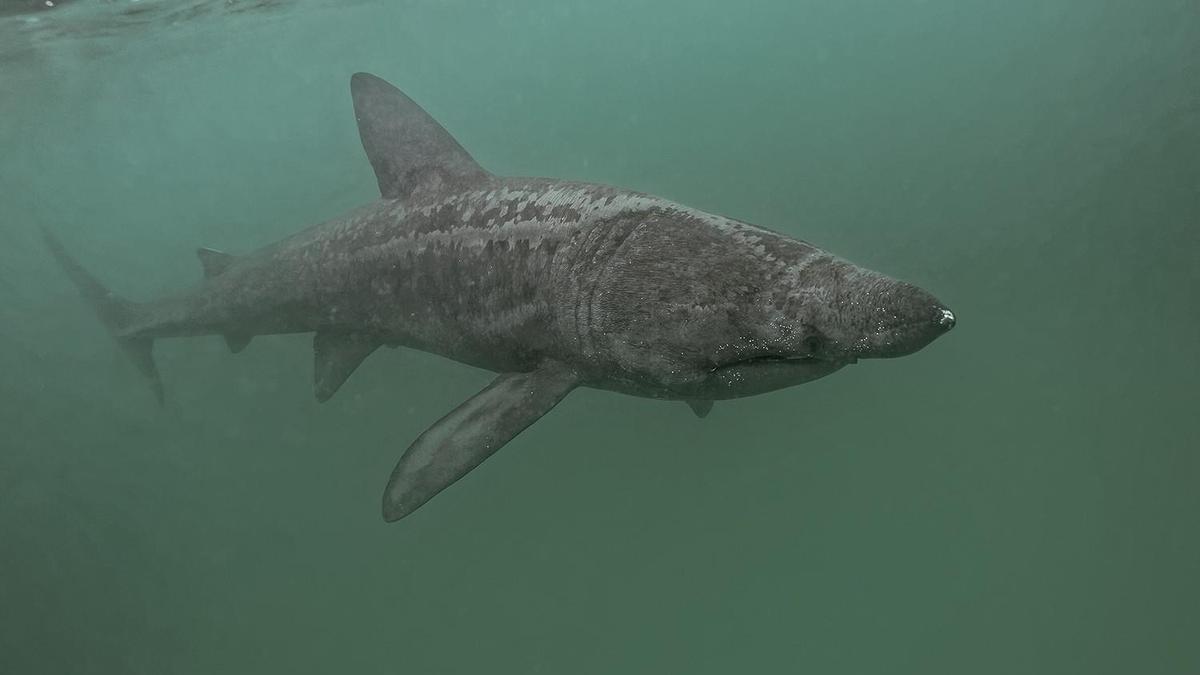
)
(410, 152)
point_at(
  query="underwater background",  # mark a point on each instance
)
(1020, 497)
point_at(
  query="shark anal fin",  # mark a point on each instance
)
(213, 261)
(474, 430)
(335, 356)
(701, 408)
(408, 149)
(237, 341)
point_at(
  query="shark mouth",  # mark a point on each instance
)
(807, 358)
(778, 360)
(770, 360)
(768, 372)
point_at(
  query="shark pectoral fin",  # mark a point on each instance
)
(213, 261)
(335, 356)
(461, 440)
(408, 149)
(701, 408)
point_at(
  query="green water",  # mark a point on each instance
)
(1020, 497)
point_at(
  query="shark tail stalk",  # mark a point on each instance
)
(115, 312)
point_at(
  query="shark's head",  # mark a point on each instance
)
(825, 313)
(732, 310)
(848, 313)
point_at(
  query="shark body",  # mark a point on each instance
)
(552, 284)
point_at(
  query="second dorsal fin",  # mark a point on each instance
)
(213, 261)
(410, 152)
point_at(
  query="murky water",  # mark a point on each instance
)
(1019, 497)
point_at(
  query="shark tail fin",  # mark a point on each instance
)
(411, 153)
(116, 313)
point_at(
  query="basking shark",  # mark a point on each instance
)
(551, 284)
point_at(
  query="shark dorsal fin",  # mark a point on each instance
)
(410, 152)
(213, 261)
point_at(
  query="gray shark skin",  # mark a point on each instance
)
(552, 284)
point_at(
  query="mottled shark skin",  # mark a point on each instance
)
(552, 284)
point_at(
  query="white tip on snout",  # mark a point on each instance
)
(946, 320)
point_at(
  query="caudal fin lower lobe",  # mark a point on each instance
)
(115, 312)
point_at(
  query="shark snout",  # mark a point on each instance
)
(909, 319)
(944, 318)
(931, 322)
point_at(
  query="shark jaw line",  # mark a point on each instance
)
(769, 360)
(777, 360)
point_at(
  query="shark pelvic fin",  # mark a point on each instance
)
(335, 356)
(701, 408)
(461, 440)
(116, 313)
(410, 152)
(213, 261)
(237, 341)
